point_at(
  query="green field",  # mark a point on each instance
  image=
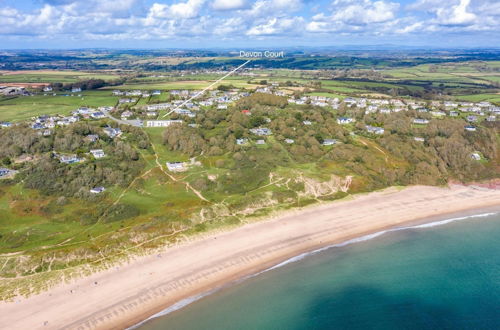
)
(52, 76)
(24, 107)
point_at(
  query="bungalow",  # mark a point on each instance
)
(491, 118)
(97, 115)
(176, 166)
(37, 126)
(246, 112)
(118, 93)
(151, 114)
(470, 128)
(156, 93)
(261, 131)
(307, 122)
(127, 114)
(289, 141)
(162, 123)
(97, 153)
(419, 139)
(344, 120)
(475, 156)
(97, 190)
(260, 142)
(222, 107)
(471, 119)
(438, 113)
(420, 121)
(329, 142)
(112, 132)
(91, 138)
(453, 114)
(69, 159)
(241, 141)
(159, 106)
(375, 130)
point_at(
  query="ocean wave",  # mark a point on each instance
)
(183, 303)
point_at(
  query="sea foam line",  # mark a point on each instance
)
(187, 301)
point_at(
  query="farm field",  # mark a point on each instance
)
(24, 107)
(46, 76)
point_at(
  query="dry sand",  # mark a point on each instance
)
(127, 294)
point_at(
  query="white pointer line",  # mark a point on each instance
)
(207, 88)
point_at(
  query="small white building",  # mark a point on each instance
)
(97, 153)
(344, 120)
(329, 142)
(176, 166)
(97, 190)
(162, 123)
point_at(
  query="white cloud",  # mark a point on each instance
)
(275, 26)
(229, 4)
(363, 12)
(188, 9)
(456, 15)
(247, 19)
(355, 16)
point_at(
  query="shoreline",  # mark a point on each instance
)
(418, 224)
(129, 294)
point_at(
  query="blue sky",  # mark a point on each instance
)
(247, 23)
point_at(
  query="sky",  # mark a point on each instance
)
(270, 24)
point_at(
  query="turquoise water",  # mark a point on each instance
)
(444, 277)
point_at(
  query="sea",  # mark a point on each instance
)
(441, 275)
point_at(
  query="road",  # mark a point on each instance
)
(135, 122)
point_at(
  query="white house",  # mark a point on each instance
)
(112, 132)
(329, 142)
(97, 153)
(97, 190)
(344, 120)
(375, 130)
(176, 166)
(420, 121)
(162, 123)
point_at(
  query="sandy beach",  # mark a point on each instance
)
(127, 294)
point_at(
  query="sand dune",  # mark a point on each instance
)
(125, 295)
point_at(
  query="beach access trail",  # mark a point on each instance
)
(127, 294)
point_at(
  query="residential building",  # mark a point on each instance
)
(176, 166)
(375, 130)
(329, 142)
(162, 123)
(97, 153)
(97, 190)
(344, 120)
